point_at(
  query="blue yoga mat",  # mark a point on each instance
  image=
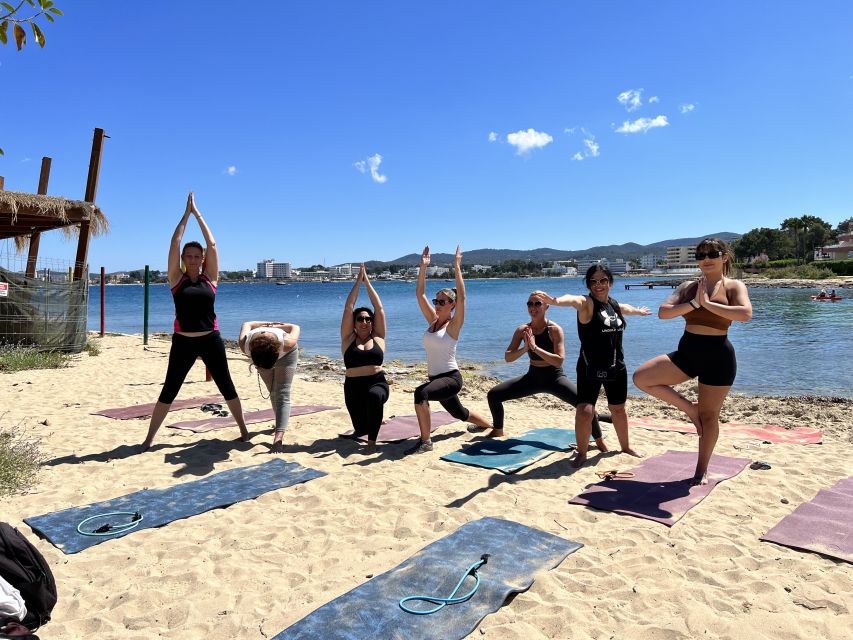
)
(161, 506)
(511, 454)
(372, 610)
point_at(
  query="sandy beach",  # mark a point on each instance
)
(252, 569)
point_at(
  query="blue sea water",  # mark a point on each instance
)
(792, 346)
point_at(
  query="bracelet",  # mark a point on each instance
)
(694, 304)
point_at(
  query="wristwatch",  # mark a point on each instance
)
(694, 304)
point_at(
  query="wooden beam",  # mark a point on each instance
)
(91, 192)
(33, 254)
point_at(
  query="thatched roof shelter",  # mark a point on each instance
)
(21, 214)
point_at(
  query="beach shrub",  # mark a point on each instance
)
(839, 267)
(93, 347)
(20, 461)
(21, 358)
(786, 262)
(802, 272)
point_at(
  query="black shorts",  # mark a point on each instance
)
(616, 390)
(710, 358)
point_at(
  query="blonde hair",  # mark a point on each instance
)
(716, 244)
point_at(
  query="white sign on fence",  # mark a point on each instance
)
(4, 289)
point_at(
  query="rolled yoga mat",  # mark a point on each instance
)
(372, 610)
(511, 454)
(161, 506)
(660, 489)
(823, 525)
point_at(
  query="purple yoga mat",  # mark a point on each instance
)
(405, 427)
(212, 423)
(660, 489)
(144, 410)
(823, 525)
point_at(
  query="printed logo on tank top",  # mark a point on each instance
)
(612, 322)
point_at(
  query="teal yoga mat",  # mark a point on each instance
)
(508, 455)
(517, 554)
(161, 506)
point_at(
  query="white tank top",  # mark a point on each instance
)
(441, 351)
(281, 334)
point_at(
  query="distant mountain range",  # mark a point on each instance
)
(496, 256)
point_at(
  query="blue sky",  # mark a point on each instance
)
(498, 124)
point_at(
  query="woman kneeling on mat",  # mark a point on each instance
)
(363, 347)
(601, 362)
(196, 329)
(708, 307)
(272, 348)
(543, 341)
(445, 321)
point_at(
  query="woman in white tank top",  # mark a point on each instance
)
(445, 317)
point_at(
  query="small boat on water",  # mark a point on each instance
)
(827, 298)
(279, 282)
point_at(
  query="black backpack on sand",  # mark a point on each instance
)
(22, 566)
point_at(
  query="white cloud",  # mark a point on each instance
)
(654, 99)
(232, 170)
(25, 160)
(525, 141)
(493, 136)
(569, 131)
(687, 108)
(372, 164)
(578, 156)
(643, 124)
(592, 147)
(632, 99)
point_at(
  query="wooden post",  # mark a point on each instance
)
(91, 192)
(33, 254)
(145, 307)
(103, 289)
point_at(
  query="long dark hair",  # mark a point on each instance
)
(716, 244)
(597, 267)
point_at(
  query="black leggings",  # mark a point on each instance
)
(710, 358)
(444, 388)
(364, 397)
(537, 380)
(182, 356)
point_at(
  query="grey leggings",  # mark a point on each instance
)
(279, 381)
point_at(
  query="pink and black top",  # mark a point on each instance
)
(194, 305)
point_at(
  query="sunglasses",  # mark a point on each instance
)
(602, 282)
(534, 303)
(441, 301)
(364, 319)
(701, 255)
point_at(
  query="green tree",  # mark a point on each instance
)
(773, 242)
(793, 226)
(844, 226)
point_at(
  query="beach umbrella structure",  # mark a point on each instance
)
(49, 310)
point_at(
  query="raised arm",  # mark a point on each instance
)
(458, 319)
(174, 266)
(420, 289)
(740, 311)
(631, 310)
(379, 326)
(211, 255)
(349, 306)
(567, 300)
(671, 307)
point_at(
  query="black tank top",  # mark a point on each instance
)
(543, 341)
(354, 357)
(194, 304)
(601, 337)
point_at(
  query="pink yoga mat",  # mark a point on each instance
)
(769, 432)
(405, 427)
(660, 489)
(211, 423)
(144, 410)
(823, 525)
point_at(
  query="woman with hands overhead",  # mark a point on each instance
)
(196, 328)
(272, 348)
(445, 317)
(601, 323)
(363, 348)
(709, 306)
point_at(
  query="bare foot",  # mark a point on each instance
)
(699, 479)
(633, 452)
(601, 445)
(693, 414)
(495, 433)
(370, 448)
(245, 436)
(578, 460)
(277, 447)
(145, 446)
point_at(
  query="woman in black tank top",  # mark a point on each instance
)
(601, 323)
(543, 341)
(363, 348)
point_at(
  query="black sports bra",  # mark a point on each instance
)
(354, 357)
(543, 341)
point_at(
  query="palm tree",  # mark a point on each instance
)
(794, 226)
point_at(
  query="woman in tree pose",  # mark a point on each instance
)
(543, 341)
(709, 306)
(601, 323)
(363, 347)
(196, 329)
(444, 324)
(272, 348)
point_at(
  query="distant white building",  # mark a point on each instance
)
(565, 268)
(681, 257)
(272, 269)
(347, 270)
(436, 271)
(650, 260)
(480, 268)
